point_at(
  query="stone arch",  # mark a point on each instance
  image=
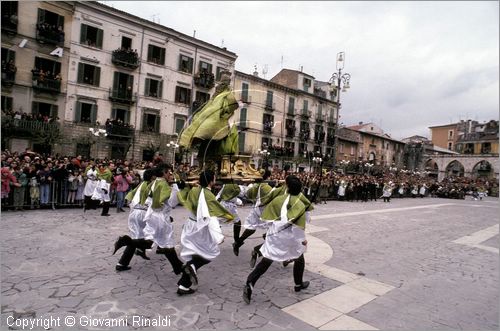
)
(482, 168)
(432, 167)
(455, 168)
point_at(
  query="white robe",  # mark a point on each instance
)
(253, 221)
(158, 226)
(136, 223)
(341, 191)
(387, 192)
(101, 191)
(201, 234)
(91, 183)
(283, 239)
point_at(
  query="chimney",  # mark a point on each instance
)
(256, 73)
(360, 123)
(301, 68)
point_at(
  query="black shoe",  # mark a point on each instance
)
(105, 215)
(188, 269)
(236, 248)
(247, 293)
(184, 292)
(171, 219)
(120, 242)
(286, 263)
(142, 254)
(122, 267)
(122, 210)
(253, 259)
(302, 286)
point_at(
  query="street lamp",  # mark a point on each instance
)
(264, 153)
(338, 81)
(173, 145)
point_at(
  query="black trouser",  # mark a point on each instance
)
(197, 261)
(105, 207)
(265, 263)
(236, 231)
(130, 250)
(89, 203)
(247, 233)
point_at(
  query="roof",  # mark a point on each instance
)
(443, 126)
(443, 150)
(295, 71)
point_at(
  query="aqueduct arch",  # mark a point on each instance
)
(473, 165)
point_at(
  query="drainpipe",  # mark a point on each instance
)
(137, 101)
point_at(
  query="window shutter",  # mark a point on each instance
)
(190, 65)
(78, 112)
(160, 89)
(150, 53)
(34, 108)
(116, 81)
(127, 116)
(41, 15)
(97, 76)
(53, 111)
(57, 68)
(113, 113)
(162, 56)
(99, 38)
(188, 96)
(80, 72)
(130, 82)
(180, 62)
(83, 34)
(177, 93)
(210, 68)
(243, 115)
(144, 121)
(241, 142)
(60, 21)
(157, 123)
(93, 114)
(147, 86)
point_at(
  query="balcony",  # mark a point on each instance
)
(305, 113)
(47, 34)
(270, 106)
(8, 75)
(204, 79)
(268, 127)
(41, 83)
(291, 112)
(12, 127)
(331, 120)
(125, 58)
(245, 98)
(122, 96)
(320, 118)
(330, 140)
(119, 131)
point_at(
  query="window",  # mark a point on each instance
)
(126, 43)
(50, 68)
(182, 95)
(88, 74)
(6, 103)
(186, 64)
(120, 114)
(244, 92)
(266, 142)
(205, 66)
(269, 99)
(485, 148)
(85, 112)
(7, 56)
(9, 16)
(320, 111)
(352, 150)
(151, 120)
(44, 109)
(179, 124)
(268, 122)
(291, 106)
(218, 73)
(333, 95)
(9, 68)
(156, 54)
(450, 146)
(153, 88)
(241, 142)
(302, 148)
(147, 155)
(243, 118)
(50, 27)
(307, 84)
(202, 97)
(341, 148)
(306, 105)
(450, 134)
(122, 85)
(91, 36)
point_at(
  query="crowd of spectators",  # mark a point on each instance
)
(31, 180)
(9, 70)
(126, 55)
(20, 115)
(51, 31)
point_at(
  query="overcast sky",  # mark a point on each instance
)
(412, 64)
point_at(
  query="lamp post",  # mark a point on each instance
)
(174, 146)
(264, 153)
(338, 81)
(98, 133)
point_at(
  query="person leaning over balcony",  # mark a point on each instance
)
(285, 218)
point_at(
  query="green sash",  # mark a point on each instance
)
(295, 210)
(189, 199)
(230, 191)
(161, 192)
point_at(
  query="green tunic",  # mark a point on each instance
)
(189, 199)
(296, 210)
(143, 195)
(267, 193)
(161, 192)
(229, 191)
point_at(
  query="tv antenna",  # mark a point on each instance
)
(156, 17)
(265, 70)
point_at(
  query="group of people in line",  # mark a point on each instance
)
(282, 211)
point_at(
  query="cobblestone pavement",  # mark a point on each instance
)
(59, 264)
